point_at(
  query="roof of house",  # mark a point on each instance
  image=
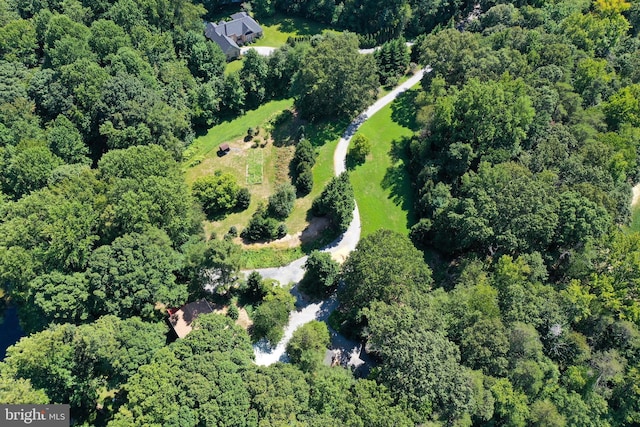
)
(225, 42)
(182, 319)
(241, 24)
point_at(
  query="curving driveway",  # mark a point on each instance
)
(339, 249)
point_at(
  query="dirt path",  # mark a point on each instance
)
(636, 195)
(339, 249)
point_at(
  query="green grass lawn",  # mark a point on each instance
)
(233, 66)
(277, 28)
(382, 184)
(207, 144)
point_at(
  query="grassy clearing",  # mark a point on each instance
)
(278, 28)
(207, 145)
(262, 163)
(255, 165)
(233, 66)
(201, 159)
(382, 184)
(269, 257)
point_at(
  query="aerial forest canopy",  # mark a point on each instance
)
(513, 301)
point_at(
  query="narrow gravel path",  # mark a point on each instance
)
(636, 195)
(339, 249)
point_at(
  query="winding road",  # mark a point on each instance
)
(339, 250)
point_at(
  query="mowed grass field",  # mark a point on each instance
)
(278, 28)
(260, 164)
(382, 185)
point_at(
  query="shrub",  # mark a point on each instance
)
(360, 148)
(281, 202)
(304, 182)
(337, 202)
(262, 227)
(233, 312)
(321, 274)
(243, 199)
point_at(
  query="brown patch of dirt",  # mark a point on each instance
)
(315, 228)
(243, 319)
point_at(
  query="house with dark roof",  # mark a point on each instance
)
(232, 34)
(181, 319)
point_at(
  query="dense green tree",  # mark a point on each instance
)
(360, 149)
(263, 227)
(307, 346)
(253, 76)
(393, 60)
(335, 66)
(65, 141)
(18, 42)
(28, 168)
(321, 274)
(107, 38)
(218, 193)
(273, 314)
(130, 276)
(336, 202)
(213, 265)
(205, 59)
(14, 391)
(61, 298)
(422, 368)
(385, 266)
(281, 202)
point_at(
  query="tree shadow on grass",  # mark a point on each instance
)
(326, 131)
(398, 181)
(403, 109)
(293, 25)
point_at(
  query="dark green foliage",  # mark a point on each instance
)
(272, 314)
(336, 202)
(303, 160)
(321, 274)
(130, 276)
(308, 345)
(335, 66)
(65, 141)
(243, 199)
(393, 60)
(263, 227)
(255, 289)
(304, 181)
(385, 266)
(218, 193)
(281, 202)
